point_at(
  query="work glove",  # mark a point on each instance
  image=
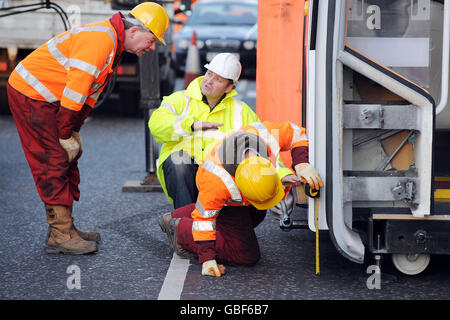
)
(308, 174)
(77, 137)
(71, 146)
(211, 268)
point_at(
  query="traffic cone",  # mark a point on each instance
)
(192, 70)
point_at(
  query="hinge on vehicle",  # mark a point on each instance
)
(405, 191)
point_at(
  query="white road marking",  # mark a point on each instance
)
(174, 281)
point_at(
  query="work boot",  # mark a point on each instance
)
(88, 236)
(169, 225)
(62, 236)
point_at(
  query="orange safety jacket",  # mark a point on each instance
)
(73, 67)
(217, 187)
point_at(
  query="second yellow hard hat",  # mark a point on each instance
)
(259, 182)
(154, 17)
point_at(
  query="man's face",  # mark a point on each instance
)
(138, 41)
(215, 86)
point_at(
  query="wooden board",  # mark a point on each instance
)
(405, 157)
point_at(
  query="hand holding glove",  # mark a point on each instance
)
(71, 146)
(77, 137)
(211, 268)
(308, 174)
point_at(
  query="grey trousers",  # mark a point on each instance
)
(179, 174)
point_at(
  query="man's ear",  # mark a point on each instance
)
(229, 87)
(133, 31)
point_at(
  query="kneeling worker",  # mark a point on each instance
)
(242, 177)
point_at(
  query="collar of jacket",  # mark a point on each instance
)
(195, 92)
(117, 23)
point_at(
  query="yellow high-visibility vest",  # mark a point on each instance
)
(171, 123)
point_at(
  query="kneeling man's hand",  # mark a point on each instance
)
(211, 268)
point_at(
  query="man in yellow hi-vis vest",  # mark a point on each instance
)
(50, 94)
(190, 122)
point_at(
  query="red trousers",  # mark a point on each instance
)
(56, 180)
(236, 242)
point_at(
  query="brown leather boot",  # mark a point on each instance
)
(169, 225)
(88, 236)
(62, 237)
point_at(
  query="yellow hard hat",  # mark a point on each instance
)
(154, 17)
(259, 182)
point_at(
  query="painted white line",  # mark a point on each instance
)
(174, 281)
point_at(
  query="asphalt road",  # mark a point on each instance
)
(134, 259)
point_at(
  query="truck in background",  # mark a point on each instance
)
(39, 21)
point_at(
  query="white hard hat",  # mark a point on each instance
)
(226, 65)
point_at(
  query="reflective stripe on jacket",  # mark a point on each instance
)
(171, 123)
(217, 187)
(280, 137)
(71, 68)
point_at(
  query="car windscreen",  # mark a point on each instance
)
(223, 14)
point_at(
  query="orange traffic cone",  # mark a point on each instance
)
(192, 70)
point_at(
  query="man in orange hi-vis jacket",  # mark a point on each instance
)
(52, 91)
(241, 178)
